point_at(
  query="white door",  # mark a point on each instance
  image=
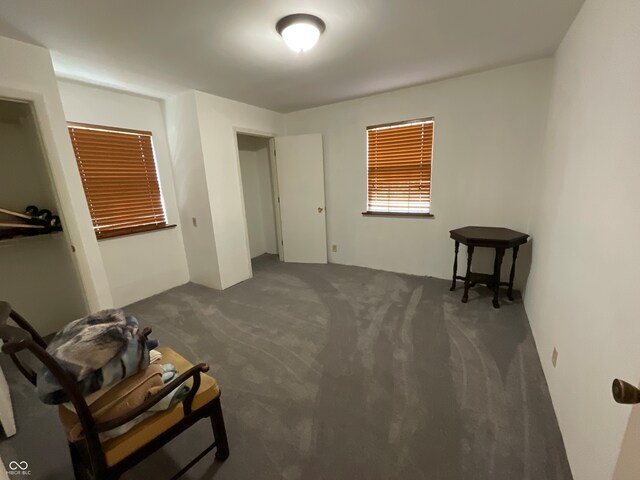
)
(299, 162)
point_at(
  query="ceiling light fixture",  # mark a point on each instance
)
(300, 31)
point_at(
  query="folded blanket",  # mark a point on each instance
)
(111, 402)
(96, 351)
(155, 356)
(169, 373)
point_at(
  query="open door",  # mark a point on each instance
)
(300, 171)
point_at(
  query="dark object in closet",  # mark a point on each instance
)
(31, 210)
(44, 215)
(33, 222)
(488, 237)
(108, 460)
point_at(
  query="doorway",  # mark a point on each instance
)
(39, 275)
(259, 188)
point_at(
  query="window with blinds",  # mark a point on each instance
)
(120, 179)
(399, 167)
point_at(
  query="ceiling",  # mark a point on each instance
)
(230, 47)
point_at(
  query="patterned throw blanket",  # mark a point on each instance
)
(97, 351)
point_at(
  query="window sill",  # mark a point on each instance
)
(398, 214)
(132, 231)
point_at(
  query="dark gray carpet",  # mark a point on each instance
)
(338, 372)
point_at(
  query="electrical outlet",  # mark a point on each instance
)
(334, 248)
(194, 221)
(554, 357)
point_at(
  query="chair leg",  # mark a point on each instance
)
(78, 472)
(82, 472)
(219, 432)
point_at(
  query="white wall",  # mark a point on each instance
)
(488, 139)
(258, 194)
(220, 119)
(265, 176)
(143, 264)
(202, 132)
(582, 294)
(39, 278)
(27, 74)
(183, 132)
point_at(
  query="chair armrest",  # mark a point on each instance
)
(6, 313)
(154, 399)
(15, 339)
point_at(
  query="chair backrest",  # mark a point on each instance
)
(17, 339)
(24, 337)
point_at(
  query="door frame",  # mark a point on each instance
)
(275, 195)
(87, 261)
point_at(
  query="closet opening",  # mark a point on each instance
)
(260, 192)
(39, 276)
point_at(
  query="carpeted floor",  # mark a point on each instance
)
(338, 372)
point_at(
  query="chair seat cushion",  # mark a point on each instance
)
(117, 449)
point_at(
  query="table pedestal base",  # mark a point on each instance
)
(491, 280)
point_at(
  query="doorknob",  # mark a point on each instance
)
(624, 392)
(320, 209)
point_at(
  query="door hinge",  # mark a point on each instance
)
(278, 199)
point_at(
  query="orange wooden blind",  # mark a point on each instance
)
(399, 167)
(120, 179)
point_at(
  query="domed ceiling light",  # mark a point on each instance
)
(300, 31)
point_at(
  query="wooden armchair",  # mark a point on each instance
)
(109, 459)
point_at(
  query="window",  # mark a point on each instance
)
(120, 179)
(399, 168)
